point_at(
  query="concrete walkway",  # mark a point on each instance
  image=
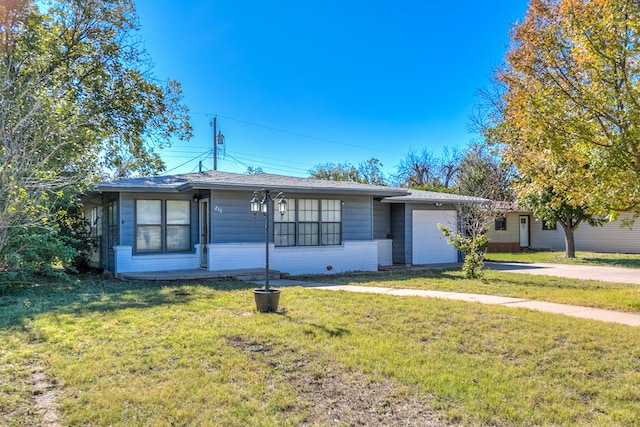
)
(583, 272)
(611, 316)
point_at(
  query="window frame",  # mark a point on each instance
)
(500, 223)
(288, 221)
(546, 227)
(164, 226)
(176, 225)
(308, 221)
(112, 223)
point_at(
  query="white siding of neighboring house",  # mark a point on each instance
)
(511, 234)
(546, 239)
(610, 237)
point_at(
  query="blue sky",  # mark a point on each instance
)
(296, 83)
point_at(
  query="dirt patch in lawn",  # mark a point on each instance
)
(332, 396)
(45, 396)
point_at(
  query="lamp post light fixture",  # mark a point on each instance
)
(261, 202)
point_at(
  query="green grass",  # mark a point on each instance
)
(553, 257)
(588, 293)
(127, 353)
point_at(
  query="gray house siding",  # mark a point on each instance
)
(357, 219)
(381, 220)
(398, 221)
(232, 221)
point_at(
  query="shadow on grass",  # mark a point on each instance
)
(93, 293)
(384, 276)
(620, 262)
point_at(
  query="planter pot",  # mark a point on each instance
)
(267, 301)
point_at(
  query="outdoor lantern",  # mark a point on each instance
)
(255, 204)
(282, 206)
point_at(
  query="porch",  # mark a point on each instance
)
(245, 274)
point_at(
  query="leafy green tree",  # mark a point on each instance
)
(335, 172)
(251, 170)
(483, 173)
(370, 172)
(552, 208)
(77, 101)
(570, 102)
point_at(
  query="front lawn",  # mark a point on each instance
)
(558, 257)
(126, 353)
(589, 293)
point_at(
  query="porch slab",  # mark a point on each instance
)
(200, 273)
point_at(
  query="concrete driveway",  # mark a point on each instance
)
(584, 272)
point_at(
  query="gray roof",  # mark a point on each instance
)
(253, 182)
(421, 196)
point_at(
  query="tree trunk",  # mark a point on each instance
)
(569, 242)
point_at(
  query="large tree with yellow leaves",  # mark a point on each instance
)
(569, 110)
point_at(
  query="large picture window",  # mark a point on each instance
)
(309, 222)
(284, 226)
(178, 225)
(331, 222)
(163, 226)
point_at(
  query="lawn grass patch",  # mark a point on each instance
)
(588, 293)
(198, 354)
(558, 257)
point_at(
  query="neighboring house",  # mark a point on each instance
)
(518, 229)
(203, 220)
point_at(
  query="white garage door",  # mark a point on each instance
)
(429, 245)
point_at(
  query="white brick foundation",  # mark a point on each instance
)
(350, 256)
(126, 262)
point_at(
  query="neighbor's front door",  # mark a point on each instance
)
(204, 231)
(524, 231)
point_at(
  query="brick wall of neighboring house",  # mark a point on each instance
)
(503, 247)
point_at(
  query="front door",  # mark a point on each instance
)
(524, 231)
(204, 231)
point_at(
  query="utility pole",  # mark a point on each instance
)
(215, 144)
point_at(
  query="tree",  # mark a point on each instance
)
(552, 208)
(335, 172)
(570, 105)
(251, 170)
(77, 101)
(426, 171)
(368, 172)
(483, 173)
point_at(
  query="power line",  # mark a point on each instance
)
(307, 136)
(256, 158)
(205, 154)
(301, 135)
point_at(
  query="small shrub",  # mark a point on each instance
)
(472, 246)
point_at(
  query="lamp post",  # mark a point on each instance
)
(260, 202)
